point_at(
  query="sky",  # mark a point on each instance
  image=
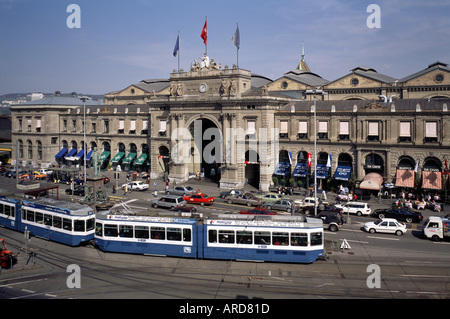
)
(121, 42)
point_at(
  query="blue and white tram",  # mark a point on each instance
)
(9, 208)
(298, 240)
(64, 222)
(161, 236)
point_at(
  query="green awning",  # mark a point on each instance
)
(118, 157)
(104, 156)
(141, 159)
(129, 158)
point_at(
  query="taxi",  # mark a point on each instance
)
(199, 198)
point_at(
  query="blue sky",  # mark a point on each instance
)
(122, 42)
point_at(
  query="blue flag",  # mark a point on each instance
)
(236, 38)
(177, 47)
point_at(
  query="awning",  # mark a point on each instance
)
(342, 173)
(118, 157)
(301, 170)
(371, 181)
(431, 180)
(104, 156)
(89, 155)
(70, 155)
(79, 154)
(141, 159)
(282, 168)
(322, 171)
(404, 178)
(61, 153)
(129, 158)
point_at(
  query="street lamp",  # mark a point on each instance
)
(315, 93)
(84, 99)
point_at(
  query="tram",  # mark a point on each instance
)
(227, 237)
(64, 222)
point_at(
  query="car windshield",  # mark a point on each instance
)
(378, 222)
(189, 188)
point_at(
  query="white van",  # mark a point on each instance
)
(436, 228)
(355, 208)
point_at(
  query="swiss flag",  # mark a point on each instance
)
(204, 34)
(309, 159)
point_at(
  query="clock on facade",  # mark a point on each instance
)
(202, 88)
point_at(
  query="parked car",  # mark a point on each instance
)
(270, 197)
(308, 210)
(386, 225)
(32, 176)
(180, 190)
(285, 204)
(399, 214)
(78, 190)
(332, 220)
(136, 185)
(257, 211)
(199, 198)
(235, 192)
(184, 209)
(357, 208)
(244, 199)
(169, 201)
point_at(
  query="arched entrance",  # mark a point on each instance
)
(374, 164)
(163, 161)
(252, 169)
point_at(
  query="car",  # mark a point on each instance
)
(180, 190)
(78, 190)
(34, 175)
(385, 225)
(257, 211)
(355, 208)
(199, 198)
(232, 192)
(399, 214)
(284, 204)
(184, 209)
(136, 185)
(332, 220)
(45, 171)
(307, 210)
(169, 201)
(244, 199)
(270, 197)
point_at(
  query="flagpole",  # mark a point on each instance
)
(237, 49)
(206, 44)
(178, 51)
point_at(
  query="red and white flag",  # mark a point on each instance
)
(204, 34)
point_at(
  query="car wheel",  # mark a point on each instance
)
(409, 220)
(372, 231)
(288, 210)
(435, 238)
(168, 193)
(381, 216)
(399, 233)
(230, 201)
(334, 228)
(358, 213)
(203, 204)
(269, 207)
(307, 212)
(249, 204)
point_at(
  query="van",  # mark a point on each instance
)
(355, 208)
(169, 201)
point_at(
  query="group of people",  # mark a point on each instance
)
(419, 201)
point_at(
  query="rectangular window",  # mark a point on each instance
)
(174, 234)
(121, 126)
(144, 127)
(262, 238)
(226, 236)
(64, 128)
(67, 224)
(302, 129)
(316, 239)
(132, 126)
(405, 132)
(284, 129)
(373, 134)
(431, 132)
(57, 222)
(79, 225)
(162, 128)
(212, 236)
(38, 124)
(74, 125)
(141, 232)
(279, 238)
(323, 130)
(344, 130)
(39, 218)
(106, 128)
(244, 237)
(47, 220)
(299, 239)
(99, 229)
(110, 230)
(187, 235)
(158, 233)
(126, 231)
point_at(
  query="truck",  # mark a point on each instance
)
(7, 258)
(437, 228)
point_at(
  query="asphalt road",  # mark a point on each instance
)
(406, 267)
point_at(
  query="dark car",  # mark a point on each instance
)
(184, 209)
(332, 220)
(78, 190)
(307, 210)
(257, 211)
(399, 214)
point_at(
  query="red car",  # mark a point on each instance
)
(199, 198)
(258, 211)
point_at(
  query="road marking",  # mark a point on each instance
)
(29, 291)
(425, 276)
(383, 238)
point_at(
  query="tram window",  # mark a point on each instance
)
(126, 231)
(141, 232)
(111, 231)
(47, 220)
(316, 239)
(226, 236)
(90, 224)
(280, 239)
(244, 237)
(6, 210)
(212, 236)
(158, 233)
(299, 239)
(99, 229)
(262, 238)
(174, 234)
(2, 208)
(67, 224)
(78, 225)
(187, 234)
(39, 218)
(29, 215)
(56, 221)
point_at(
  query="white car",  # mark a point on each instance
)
(355, 208)
(386, 225)
(136, 185)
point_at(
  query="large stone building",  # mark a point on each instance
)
(238, 127)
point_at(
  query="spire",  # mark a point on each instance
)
(302, 65)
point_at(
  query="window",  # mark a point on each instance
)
(99, 229)
(373, 132)
(39, 218)
(174, 234)
(244, 237)
(64, 128)
(94, 127)
(133, 127)
(226, 236)
(284, 132)
(20, 125)
(344, 130)
(47, 220)
(212, 236)
(38, 124)
(299, 239)
(187, 234)
(279, 238)
(302, 130)
(54, 140)
(121, 127)
(158, 233)
(144, 127)
(431, 132)
(323, 130)
(162, 128)
(28, 125)
(111, 230)
(79, 226)
(251, 129)
(405, 132)
(126, 231)
(354, 82)
(316, 239)
(74, 125)
(30, 150)
(106, 129)
(39, 150)
(141, 232)
(57, 221)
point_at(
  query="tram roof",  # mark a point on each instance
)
(70, 208)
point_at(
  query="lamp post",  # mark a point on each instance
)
(315, 93)
(84, 99)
